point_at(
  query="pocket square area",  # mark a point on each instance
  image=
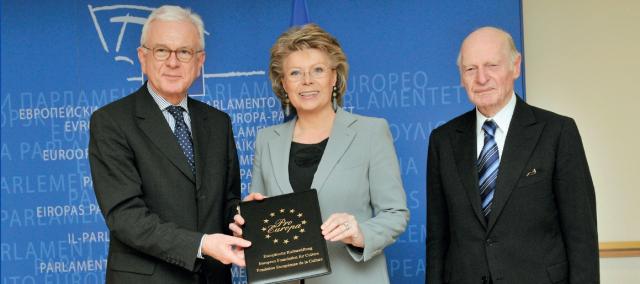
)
(532, 172)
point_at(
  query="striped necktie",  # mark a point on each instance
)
(183, 135)
(488, 167)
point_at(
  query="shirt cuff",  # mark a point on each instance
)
(200, 256)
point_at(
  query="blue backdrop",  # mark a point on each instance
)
(61, 60)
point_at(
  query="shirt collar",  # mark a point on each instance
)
(163, 104)
(502, 118)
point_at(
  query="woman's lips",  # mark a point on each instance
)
(308, 94)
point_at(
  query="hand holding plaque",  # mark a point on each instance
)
(236, 226)
(226, 249)
(287, 243)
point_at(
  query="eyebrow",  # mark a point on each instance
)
(184, 46)
(313, 65)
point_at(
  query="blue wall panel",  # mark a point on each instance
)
(63, 59)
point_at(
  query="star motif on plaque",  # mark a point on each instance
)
(284, 225)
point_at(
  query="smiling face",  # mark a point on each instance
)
(171, 78)
(487, 70)
(308, 80)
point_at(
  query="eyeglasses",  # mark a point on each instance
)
(317, 72)
(183, 54)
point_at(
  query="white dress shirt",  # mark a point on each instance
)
(502, 119)
(164, 104)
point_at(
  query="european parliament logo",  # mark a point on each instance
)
(112, 23)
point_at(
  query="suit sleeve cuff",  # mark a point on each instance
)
(357, 254)
(199, 255)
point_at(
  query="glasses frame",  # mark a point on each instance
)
(288, 77)
(172, 51)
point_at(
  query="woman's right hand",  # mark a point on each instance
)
(238, 221)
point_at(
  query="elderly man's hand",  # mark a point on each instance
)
(226, 249)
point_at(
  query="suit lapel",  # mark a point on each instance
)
(155, 126)
(199, 135)
(340, 139)
(522, 138)
(465, 155)
(279, 151)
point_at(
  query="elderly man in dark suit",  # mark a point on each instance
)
(165, 168)
(510, 198)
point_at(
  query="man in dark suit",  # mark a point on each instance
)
(510, 198)
(165, 167)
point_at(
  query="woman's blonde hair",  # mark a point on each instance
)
(305, 37)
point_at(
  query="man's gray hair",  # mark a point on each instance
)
(173, 14)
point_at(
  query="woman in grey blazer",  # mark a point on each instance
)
(349, 159)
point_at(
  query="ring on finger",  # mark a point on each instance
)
(346, 226)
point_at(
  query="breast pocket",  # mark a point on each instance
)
(533, 176)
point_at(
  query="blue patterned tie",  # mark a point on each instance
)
(183, 135)
(488, 167)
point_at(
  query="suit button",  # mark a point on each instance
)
(490, 242)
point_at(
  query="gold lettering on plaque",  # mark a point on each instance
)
(284, 225)
(288, 259)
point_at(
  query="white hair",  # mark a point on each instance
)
(173, 14)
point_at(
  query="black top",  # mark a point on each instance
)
(303, 163)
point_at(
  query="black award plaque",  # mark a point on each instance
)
(286, 240)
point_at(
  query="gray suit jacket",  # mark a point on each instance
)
(359, 175)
